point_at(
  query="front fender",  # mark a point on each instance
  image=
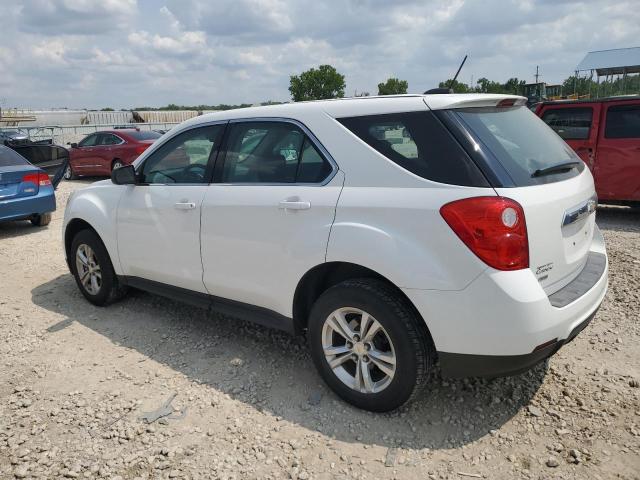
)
(97, 205)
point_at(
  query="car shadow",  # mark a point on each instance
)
(17, 228)
(618, 218)
(272, 371)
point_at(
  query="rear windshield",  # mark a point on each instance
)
(418, 142)
(9, 158)
(144, 135)
(521, 142)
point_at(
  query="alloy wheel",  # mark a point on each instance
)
(358, 350)
(88, 268)
(68, 173)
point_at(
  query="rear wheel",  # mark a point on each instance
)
(68, 173)
(93, 271)
(41, 220)
(369, 346)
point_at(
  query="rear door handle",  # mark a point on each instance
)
(294, 205)
(185, 205)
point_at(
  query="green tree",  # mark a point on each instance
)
(456, 86)
(514, 86)
(393, 86)
(317, 84)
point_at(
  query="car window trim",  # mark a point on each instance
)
(210, 164)
(324, 153)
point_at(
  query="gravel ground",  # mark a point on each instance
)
(75, 380)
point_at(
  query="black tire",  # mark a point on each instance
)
(68, 173)
(110, 289)
(41, 220)
(411, 342)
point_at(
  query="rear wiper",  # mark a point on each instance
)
(560, 167)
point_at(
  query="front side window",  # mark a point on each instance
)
(109, 139)
(569, 123)
(623, 121)
(185, 158)
(272, 152)
(89, 141)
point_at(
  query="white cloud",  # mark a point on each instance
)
(124, 53)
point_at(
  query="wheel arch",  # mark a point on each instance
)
(75, 226)
(322, 277)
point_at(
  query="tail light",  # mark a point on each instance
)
(493, 228)
(39, 178)
(141, 148)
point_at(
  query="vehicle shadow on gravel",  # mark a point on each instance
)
(17, 228)
(619, 219)
(272, 372)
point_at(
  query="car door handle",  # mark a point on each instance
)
(185, 205)
(294, 205)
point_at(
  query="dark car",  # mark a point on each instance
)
(99, 153)
(605, 133)
(26, 190)
(13, 137)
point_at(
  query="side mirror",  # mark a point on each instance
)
(125, 175)
(73, 145)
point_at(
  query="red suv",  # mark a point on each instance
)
(605, 133)
(101, 152)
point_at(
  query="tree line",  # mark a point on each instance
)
(325, 82)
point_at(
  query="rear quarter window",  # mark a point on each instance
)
(419, 143)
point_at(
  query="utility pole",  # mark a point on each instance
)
(537, 75)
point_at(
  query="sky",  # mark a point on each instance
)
(131, 53)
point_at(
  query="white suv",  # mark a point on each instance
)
(394, 231)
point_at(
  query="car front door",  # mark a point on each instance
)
(84, 159)
(578, 126)
(267, 216)
(158, 219)
(617, 171)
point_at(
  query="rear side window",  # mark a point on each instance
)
(623, 121)
(272, 152)
(9, 158)
(569, 123)
(143, 135)
(418, 142)
(521, 142)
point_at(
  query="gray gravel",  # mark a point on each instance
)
(76, 379)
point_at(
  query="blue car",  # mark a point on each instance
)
(26, 190)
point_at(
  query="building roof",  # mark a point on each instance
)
(612, 62)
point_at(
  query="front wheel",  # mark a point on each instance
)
(92, 269)
(369, 345)
(68, 173)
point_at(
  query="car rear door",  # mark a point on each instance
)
(107, 151)
(577, 125)
(617, 171)
(267, 216)
(158, 220)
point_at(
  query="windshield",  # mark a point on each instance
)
(144, 135)
(521, 142)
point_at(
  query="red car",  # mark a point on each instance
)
(101, 152)
(605, 133)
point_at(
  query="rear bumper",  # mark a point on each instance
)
(460, 365)
(19, 208)
(504, 322)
